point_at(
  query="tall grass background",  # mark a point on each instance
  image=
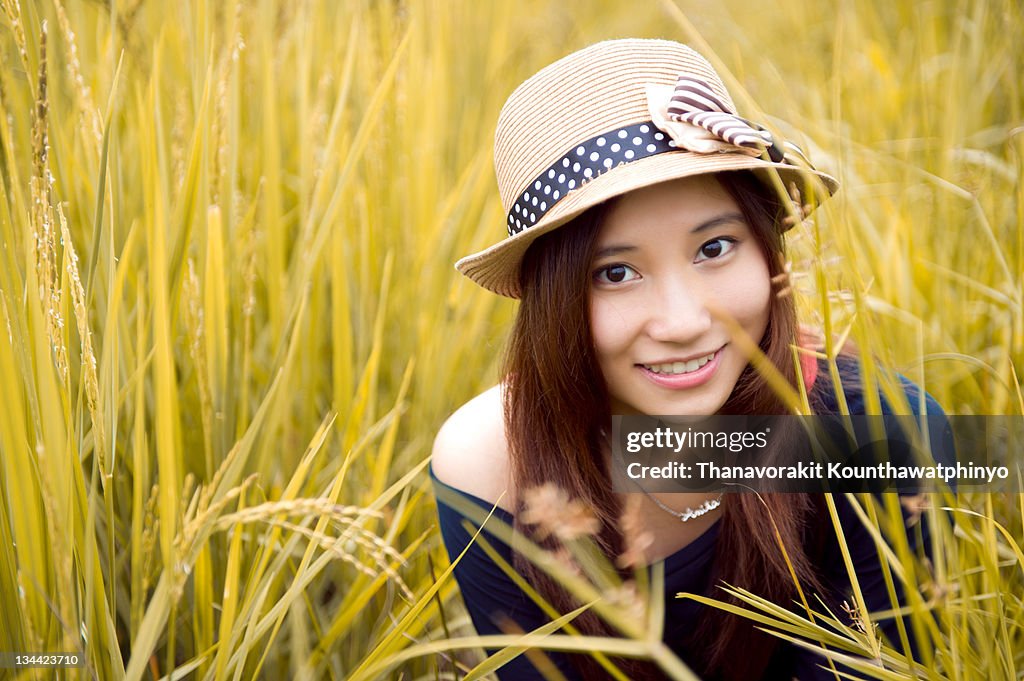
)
(231, 326)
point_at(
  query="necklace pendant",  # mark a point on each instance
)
(705, 507)
(689, 513)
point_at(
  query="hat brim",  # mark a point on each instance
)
(497, 268)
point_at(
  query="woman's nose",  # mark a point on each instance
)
(678, 313)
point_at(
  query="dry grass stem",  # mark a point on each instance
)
(550, 508)
(636, 537)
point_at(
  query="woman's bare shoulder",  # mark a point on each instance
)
(471, 450)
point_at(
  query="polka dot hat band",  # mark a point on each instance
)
(614, 117)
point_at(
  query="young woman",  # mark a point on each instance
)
(645, 245)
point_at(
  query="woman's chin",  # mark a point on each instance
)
(694, 407)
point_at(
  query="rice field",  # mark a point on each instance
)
(233, 327)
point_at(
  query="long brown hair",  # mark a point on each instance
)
(557, 411)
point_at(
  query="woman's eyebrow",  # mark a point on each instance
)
(615, 249)
(718, 220)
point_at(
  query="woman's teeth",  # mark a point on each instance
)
(679, 367)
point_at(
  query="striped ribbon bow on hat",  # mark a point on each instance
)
(700, 121)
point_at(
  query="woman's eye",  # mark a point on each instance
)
(715, 248)
(615, 274)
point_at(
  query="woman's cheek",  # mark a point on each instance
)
(609, 322)
(750, 297)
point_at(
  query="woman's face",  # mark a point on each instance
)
(666, 256)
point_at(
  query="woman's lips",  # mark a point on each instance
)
(684, 380)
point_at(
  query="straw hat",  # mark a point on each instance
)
(614, 117)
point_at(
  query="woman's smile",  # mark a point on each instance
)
(666, 256)
(679, 374)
